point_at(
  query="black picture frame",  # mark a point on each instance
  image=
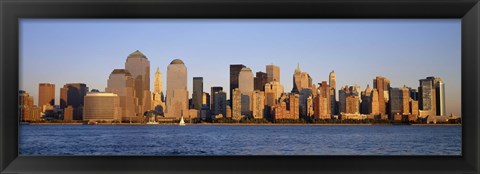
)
(466, 10)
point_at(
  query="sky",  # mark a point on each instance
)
(86, 51)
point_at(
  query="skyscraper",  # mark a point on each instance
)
(301, 80)
(321, 102)
(365, 107)
(139, 67)
(120, 82)
(332, 81)
(158, 103)
(245, 85)
(259, 81)
(25, 103)
(427, 97)
(220, 103)
(234, 72)
(197, 92)
(72, 94)
(177, 94)
(236, 104)
(382, 85)
(258, 104)
(273, 73)
(396, 102)
(439, 95)
(46, 94)
(213, 91)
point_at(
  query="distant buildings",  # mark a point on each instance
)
(177, 94)
(127, 97)
(100, 106)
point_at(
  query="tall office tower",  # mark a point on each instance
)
(100, 106)
(405, 100)
(332, 81)
(73, 94)
(236, 104)
(293, 106)
(273, 73)
(177, 94)
(258, 104)
(234, 72)
(139, 67)
(213, 90)
(382, 85)
(197, 93)
(25, 103)
(220, 103)
(301, 80)
(322, 108)
(245, 85)
(439, 95)
(120, 82)
(375, 108)
(366, 103)
(259, 81)
(158, 103)
(302, 102)
(46, 94)
(206, 101)
(342, 99)
(396, 102)
(427, 97)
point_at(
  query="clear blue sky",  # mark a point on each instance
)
(63, 51)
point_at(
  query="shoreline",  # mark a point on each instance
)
(248, 124)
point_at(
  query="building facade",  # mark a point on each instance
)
(177, 94)
(101, 106)
(46, 94)
(197, 93)
(120, 82)
(138, 65)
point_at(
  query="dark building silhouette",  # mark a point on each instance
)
(234, 72)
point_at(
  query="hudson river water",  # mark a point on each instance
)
(238, 140)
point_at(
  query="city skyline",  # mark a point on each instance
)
(313, 65)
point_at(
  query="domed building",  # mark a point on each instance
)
(177, 93)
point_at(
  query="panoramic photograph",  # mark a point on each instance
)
(218, 87)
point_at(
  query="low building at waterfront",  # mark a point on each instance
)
(101, 106)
